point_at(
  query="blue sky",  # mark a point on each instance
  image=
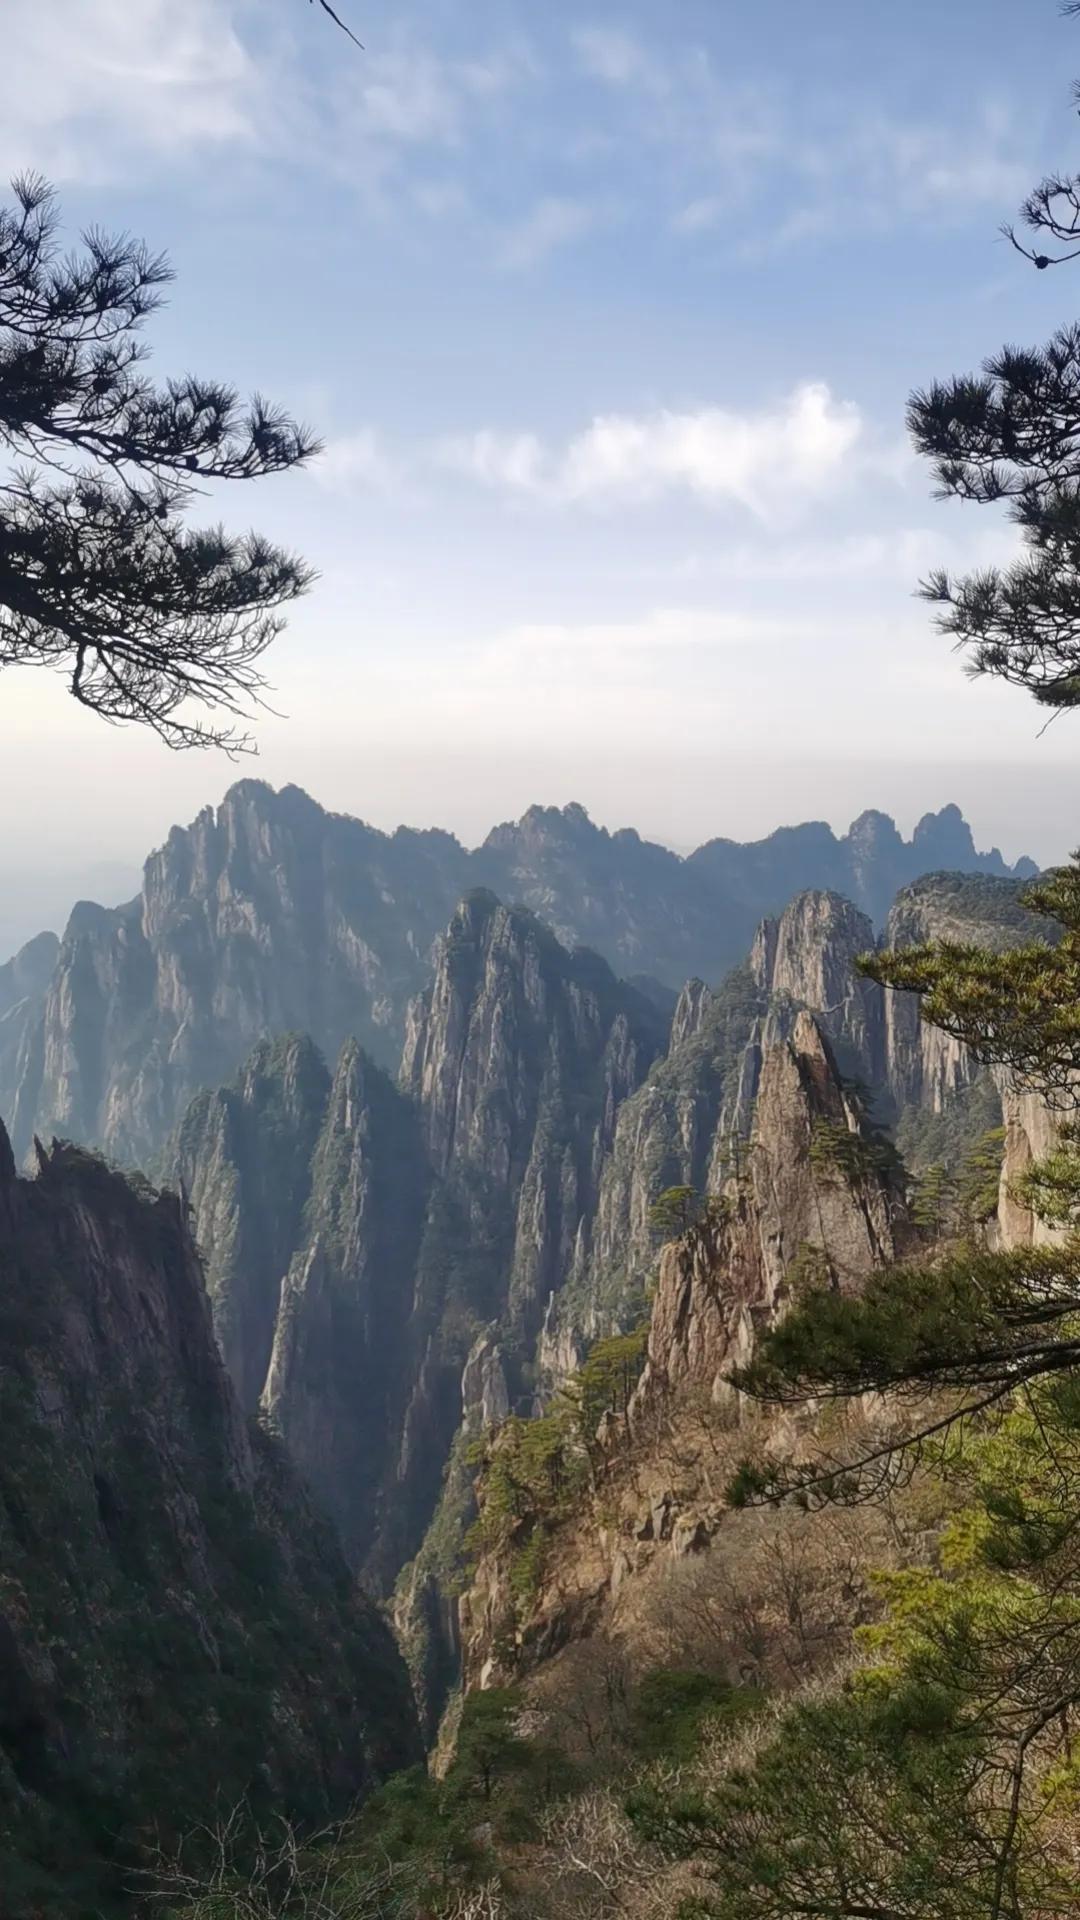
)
(607, 317)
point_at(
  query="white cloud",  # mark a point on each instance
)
(760, 460)
(552, 223)
(91, 88)
(86, 80)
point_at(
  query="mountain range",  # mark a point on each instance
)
(408, 1109)
(270, 916)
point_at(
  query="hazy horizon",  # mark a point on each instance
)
(37, 898)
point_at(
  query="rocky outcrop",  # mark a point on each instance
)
(309, 1195)
(685, 1126)
(808, 956)
(1031, 1133)
(691, 1013)
(924, 1067)
(268, 915)
(347, 1347)
(520, 1056)
(815, 1191)
(178, 1631)
(243, 1156)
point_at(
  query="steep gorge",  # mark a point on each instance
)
(361, 1236)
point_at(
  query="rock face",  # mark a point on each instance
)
(243, 1154)
(923, 1066)
(685, 1126)
(24, 982)
(797, 1201)
(363, 1240)
(792, 1205)
(1031, 1133)
(808, 956)
(266, 917)
(177, 1627)
(271, 916)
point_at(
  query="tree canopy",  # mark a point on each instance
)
(100, 576)
(1011, 433)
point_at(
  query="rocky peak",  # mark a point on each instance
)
(265, 915)
(269, 915)
(945, 841)
(511, 1020)
(485, 1395)
(28, 972)
(808, 956)
(925, 1067)
(690, 1012)
(874, 835)
(546, 827)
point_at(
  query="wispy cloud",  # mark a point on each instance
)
(728, 146)
(356, 462)
(552, 223)
(86, 82)
(609, 54)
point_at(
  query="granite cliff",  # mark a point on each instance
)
(361, 1236)
(547, 1577)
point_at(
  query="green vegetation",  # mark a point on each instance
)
(675, 1211)
(532, 1473)
(671, 1710)
(108, 467)
(955, 1158)
(172, 1612)
(837, 1148)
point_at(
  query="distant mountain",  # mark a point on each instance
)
(868, 865)
(270, 916)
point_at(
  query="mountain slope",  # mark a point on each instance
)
(178, 1630)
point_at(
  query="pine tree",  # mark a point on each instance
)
(1011, 433)
(99, 575)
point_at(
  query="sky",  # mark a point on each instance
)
(607, 317)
